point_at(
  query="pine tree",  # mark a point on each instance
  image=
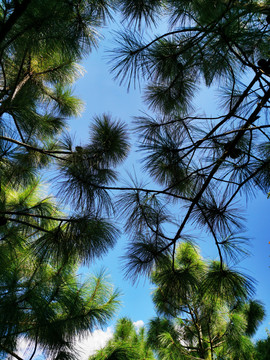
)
(201, 163)
(42, 299)
(41, 296)
(126, 344)
(41, 44)
(263, 348)
(201, 315)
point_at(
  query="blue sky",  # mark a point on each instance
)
(102, 94)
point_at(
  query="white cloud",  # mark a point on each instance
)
(138, 324)
(25, 349)
(85, 346)
(94, 341)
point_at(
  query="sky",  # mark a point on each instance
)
(101, 94)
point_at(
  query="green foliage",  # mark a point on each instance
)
(41, 296)
(126, 344)
(86, 171)
(198, 320)
(201, 163)
(263, 348)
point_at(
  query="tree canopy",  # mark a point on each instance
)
(42, 298)
(204, 315)
(126, 344)
(263, 348)
(201, 315)
(200, 163)
(39, 54)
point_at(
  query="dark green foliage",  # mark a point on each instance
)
(40, 44)
(255, 313)
(227, 283)
(140, 10)
(205, 309)
(78, 239)
(86, 172)
(126, 344)
(41, 297)
(263, 348)
(109, 140)
(202, 162)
